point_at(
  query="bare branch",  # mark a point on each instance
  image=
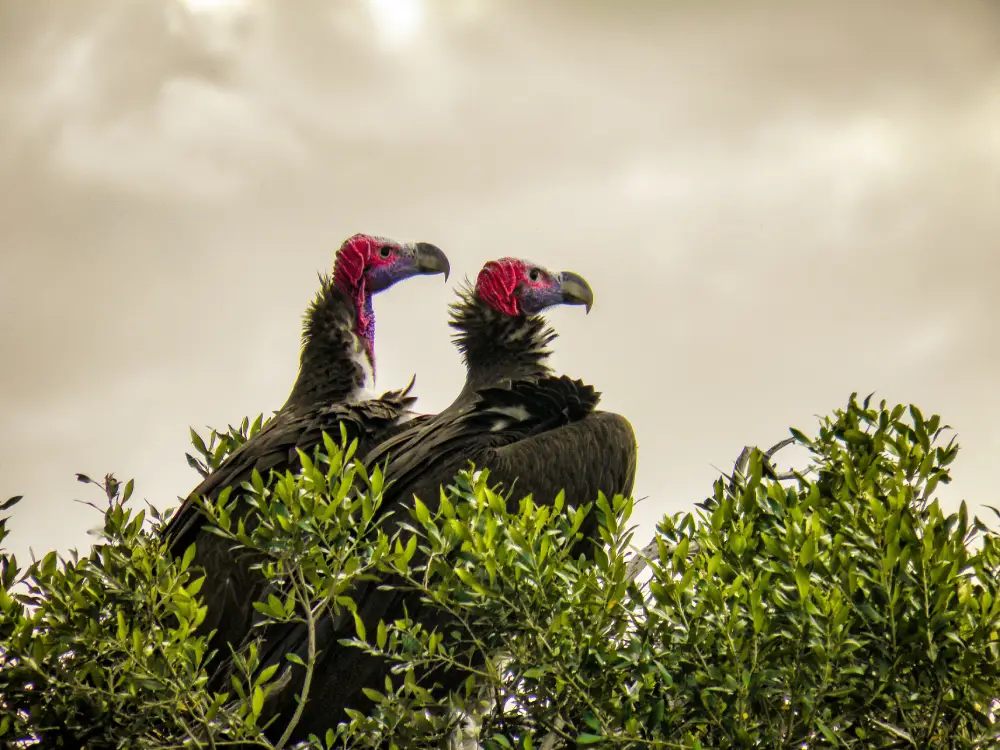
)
(641, 558)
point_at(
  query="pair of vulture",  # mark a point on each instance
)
(513, 416)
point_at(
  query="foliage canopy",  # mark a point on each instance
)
(840, 608)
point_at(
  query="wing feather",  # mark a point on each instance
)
(230, 587)
(558, 442)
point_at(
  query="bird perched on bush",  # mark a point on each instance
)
(336, 372)
(534, 431)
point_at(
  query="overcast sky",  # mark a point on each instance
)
(776, 204)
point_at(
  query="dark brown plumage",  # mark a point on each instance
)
(336, 367)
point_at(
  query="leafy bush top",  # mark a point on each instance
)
(841, 608)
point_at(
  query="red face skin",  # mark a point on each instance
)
(516, 287)
(366, 265)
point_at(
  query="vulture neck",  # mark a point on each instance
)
(497, 347)
(337, 360)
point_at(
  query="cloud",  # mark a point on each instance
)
(776, 203)
(196, 141)
(169, 124)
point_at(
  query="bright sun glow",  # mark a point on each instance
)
(208, 6)
(397, 20)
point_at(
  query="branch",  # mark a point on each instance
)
(641, 559)
(310, 665)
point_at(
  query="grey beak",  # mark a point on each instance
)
(576, 290)
(431, 259)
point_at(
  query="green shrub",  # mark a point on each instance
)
(840, 607)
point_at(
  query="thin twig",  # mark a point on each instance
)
(641, 558)
(310, 665)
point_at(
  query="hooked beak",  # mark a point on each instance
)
(431, 259)
(575, 290)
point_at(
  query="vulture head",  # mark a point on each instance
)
(515, 287)
(366, 265)
(498, 330)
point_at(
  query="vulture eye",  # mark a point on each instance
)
(534, 274)
(384, 252)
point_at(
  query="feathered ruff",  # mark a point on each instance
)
(335, 364)
(496, 346)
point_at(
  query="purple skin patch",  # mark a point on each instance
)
(518, 287)
(366, 265)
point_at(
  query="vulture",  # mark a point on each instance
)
(536, 433)
(336, 371)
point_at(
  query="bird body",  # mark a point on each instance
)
(336, 370)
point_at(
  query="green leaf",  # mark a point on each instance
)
(467, 578)
(802, 581)
(11, 502)
(808, 551)
(420, 510)
(266, 674)
(359, 626)
(274, 606)
(197, 442)
(188, 556)
(655, 715)
(257, 482)
(411, 548)
(828, 733)
(737, 543)
(381, 635)
(856, 437)
(588, 739)
(257, 704)
(894, 730)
